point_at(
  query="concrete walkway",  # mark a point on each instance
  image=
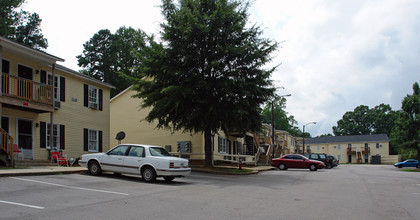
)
(50, 170)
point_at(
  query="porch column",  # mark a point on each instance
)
(51, 113)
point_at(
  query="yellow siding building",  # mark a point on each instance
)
(129, 117)
(353, 149)
(36, 91)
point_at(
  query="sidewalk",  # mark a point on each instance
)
(50, 170)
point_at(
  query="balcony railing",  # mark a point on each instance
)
(353, 150)
(27, 90)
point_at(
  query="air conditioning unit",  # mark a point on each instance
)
(93, 105)
(57, 104)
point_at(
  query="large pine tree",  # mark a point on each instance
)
(208, 73)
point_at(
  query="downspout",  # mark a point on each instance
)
(51, 113)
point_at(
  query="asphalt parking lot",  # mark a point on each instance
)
(346, 192)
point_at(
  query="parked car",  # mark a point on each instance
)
(296, 161)
(335, 162)
(407, 163)
(321, 157)
(146, 160)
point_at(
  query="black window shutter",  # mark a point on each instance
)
(43, 134)
(86, 97)
(62, 138)
(44, 76)
(101, 99)
(100, 140)
(62, 89)
(85, 139)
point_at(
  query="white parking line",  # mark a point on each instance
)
(71, 187)
(21, 204)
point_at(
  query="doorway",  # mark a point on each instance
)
(24, 137)
(25, 87)
(349, 158)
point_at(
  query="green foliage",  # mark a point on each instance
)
(281, 120)
(365, 121)
(21, 26)
(111, 58)
(207, 73)
(406, 133)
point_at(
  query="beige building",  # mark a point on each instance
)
(353, 149)
(37, 92)
(127, 116)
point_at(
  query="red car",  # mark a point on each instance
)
(296, 161)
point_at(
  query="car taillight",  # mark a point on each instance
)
(171, 165)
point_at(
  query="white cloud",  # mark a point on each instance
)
(336, 55)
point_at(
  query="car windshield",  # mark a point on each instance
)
(159, 152)
(304, 157)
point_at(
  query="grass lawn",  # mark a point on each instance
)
(411, 170)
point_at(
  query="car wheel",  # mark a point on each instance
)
(94, 168)
(312, 167)
(282, 167)
(168, 178)
(148, 174)
(400, 166)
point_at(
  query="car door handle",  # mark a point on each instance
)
(119, 158)
(139, 160)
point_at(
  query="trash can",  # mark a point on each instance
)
(376, 159)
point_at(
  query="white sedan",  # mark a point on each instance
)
(146, 160)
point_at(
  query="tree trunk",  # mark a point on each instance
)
(208, 160)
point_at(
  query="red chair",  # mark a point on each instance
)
(61, 161)
(17, 151)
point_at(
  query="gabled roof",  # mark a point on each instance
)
(348, 139)
(80, 75)
(37, 55)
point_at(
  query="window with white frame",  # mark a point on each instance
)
(318, 148)
(93, 97)
(55, 136)
(222, 145)
(93, 140)
(55, 84)
(338, 157)
(339, 146)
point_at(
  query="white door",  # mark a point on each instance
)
(24, 140)
(114, 159)
(134, 160)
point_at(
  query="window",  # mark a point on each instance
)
(377, 145)
(136, 152)
(366, 145)
(222, 145)
(5, 66)
(339, 146)
(55, 136)
(93, 97)
(55, 84)
(318, 148)
(349, 146)
(118, 151)
(308, 148)
(338, 157)
(158, 152)
(92, 140)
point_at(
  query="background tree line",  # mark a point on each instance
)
(402, 126)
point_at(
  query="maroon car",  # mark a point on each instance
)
(296, 161)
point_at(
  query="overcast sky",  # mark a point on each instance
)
(334, 55)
